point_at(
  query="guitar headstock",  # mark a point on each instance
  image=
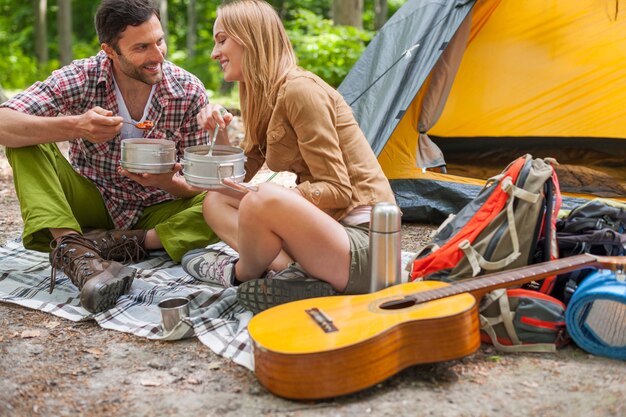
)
(613, 263)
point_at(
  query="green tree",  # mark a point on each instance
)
(321, 47)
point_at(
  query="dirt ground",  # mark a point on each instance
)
(54, 367)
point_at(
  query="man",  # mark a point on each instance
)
(122, 215)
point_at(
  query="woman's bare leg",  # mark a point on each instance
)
(276, 219)
(221, 212)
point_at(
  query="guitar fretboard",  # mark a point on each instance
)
(507, 278)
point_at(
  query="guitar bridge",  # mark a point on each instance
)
(322, 320)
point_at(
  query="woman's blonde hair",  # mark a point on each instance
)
(267, 58)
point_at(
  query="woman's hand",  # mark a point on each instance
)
(214, 115)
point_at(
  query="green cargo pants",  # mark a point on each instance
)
(53, 195)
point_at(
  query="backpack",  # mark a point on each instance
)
(594, 215)
(520, 320)
(500, 230)
(597, 227)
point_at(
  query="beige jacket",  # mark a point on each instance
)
(313, 133)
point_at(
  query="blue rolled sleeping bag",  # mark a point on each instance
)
(596, 315)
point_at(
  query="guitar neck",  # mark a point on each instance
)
(481, 285)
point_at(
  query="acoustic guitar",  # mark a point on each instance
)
(329, 346)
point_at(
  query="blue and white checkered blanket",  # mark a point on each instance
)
(216, 318)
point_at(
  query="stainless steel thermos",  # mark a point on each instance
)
(385, 246)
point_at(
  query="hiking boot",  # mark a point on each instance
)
(100, 282)
(119, 245)
(290, 284)
(214, 266)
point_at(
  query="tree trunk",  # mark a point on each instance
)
(281, 8)
(191, 29)
(380, 13)
(41, 30)
(65, 31)
(164, 17)
(348, 13)
(3, 96)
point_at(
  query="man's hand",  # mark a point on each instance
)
(168, 181)
(20, 129)
(99, 125)
(162, 181)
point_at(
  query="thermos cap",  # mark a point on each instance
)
(385, 218)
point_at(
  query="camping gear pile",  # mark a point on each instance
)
(511, 223)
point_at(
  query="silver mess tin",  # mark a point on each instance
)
(208, 172)
(151, 156)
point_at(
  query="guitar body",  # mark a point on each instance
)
(325, 347)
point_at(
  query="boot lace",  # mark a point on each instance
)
(121, 248)
(64, 257)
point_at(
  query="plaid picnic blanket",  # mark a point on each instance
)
(215, 318)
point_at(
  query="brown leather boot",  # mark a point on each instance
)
(119, 245)
(100, 282)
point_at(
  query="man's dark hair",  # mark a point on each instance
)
(113, 16)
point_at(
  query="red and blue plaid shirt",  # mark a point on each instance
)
(87, 83)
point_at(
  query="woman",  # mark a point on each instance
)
(311, 240)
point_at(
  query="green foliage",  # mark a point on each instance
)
(201, 65)
(327, 50)
(18, 70)
(368, 12)
(288, 9)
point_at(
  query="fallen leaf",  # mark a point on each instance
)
(94, 351)
(214, 366)
(52, 324)
(27, 334)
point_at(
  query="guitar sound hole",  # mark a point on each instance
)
(405, 302)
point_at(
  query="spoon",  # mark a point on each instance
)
(145, 125)
(212, 140)
(222, 111)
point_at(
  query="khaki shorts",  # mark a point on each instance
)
(359, 277)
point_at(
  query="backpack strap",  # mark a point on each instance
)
(475, 259)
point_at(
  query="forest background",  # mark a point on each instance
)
(39, 36)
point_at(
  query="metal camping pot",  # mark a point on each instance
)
(209, 172)
(145, 155)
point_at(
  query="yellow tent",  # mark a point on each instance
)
(470, 85)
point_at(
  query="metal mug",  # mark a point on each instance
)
(173, 311)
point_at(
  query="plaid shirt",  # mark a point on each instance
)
(86, 83)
